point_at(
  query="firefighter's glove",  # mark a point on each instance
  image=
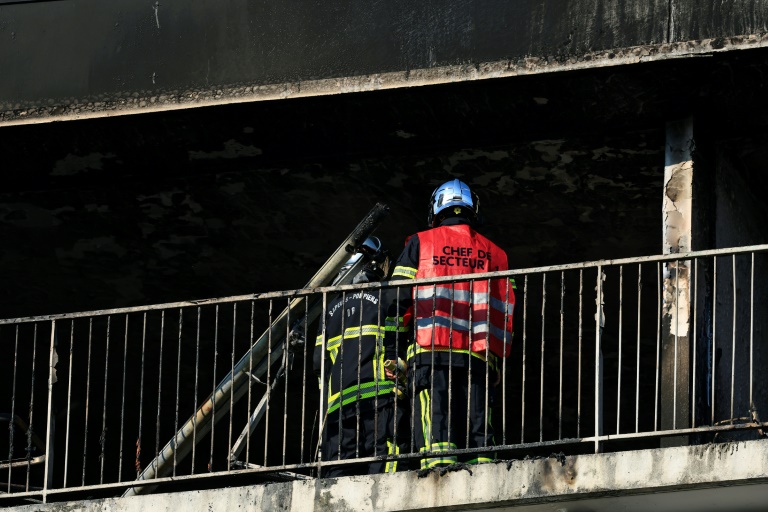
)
(397, 371)
(400, 391)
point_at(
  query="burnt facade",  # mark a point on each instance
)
(161, 153)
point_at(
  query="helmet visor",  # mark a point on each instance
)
(376, 258)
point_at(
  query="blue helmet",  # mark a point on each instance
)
(454, 194)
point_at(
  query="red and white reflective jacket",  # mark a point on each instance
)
(445, 314)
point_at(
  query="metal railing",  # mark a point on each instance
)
(607, 355)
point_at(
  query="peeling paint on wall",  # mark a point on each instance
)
(677, 210)
(678, 180)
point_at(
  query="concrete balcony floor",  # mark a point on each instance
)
(729, 476)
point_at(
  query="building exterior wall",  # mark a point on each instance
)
(67, 60)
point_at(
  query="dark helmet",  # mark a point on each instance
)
(450, 199)
(377, 263)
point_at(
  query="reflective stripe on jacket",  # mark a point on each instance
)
(354, 352)
(445, 314)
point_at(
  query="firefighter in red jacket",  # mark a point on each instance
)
(460, 330)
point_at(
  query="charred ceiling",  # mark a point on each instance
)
(252, 197)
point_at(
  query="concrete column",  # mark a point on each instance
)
(676, 302)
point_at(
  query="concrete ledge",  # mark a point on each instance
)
(163, 100)
(728, 476)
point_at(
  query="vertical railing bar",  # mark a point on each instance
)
(47, 475)
(659, 285)
(141, 394)
(412, 369)
(450, 360)
(69, 399)
(32, 404)
(269, 381)
(430, 441)
(285, 375)
(525, 337)
(543, 343)
(377, 373)
(677, 324)
(11, 426)
(87, 398)
(396, 440)
(103, 437)
(562, 334)
(694, 333)
(178, 391)
(197, 374)
(323, 423)
(469, 358)
(487, 358)
(159, 390)
(380, 355)
(357, 392)
(581, 336)
(714, 339)
(507, 346)
(504, 364)
(598, 365)
(232, 379)
(250, 386)
(340, 359)
(122, 400)
(733, 332)
(751, 329)
(305, 336)
(637, 361)
(621, 330)
(213, 388)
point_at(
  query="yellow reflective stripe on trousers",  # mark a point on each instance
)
(480, 460)
(426, 428)
(426, 420)
(439, 459)
(391, 465)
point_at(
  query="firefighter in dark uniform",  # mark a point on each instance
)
(460, 331)
(359, 410)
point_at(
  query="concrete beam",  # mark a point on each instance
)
(728, 476)
(676, 305)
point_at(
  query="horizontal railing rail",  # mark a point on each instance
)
(607, 355)
(303, 292)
